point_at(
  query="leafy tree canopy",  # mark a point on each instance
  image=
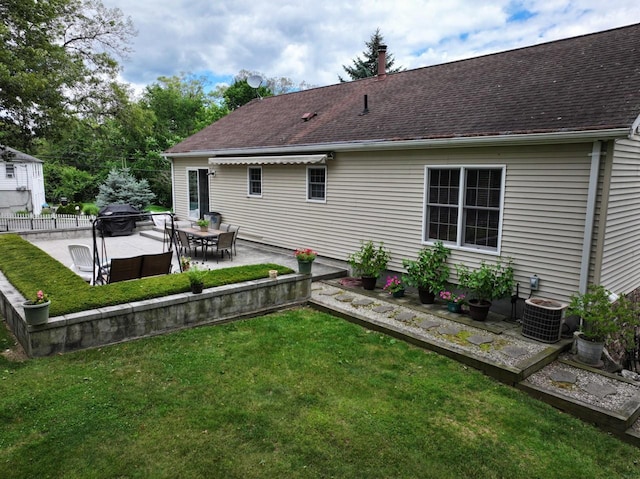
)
(57, 58)
(368, 66)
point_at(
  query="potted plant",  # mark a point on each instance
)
(185, 263)
(36, 311)
(196, 279)
(394, 286)
(305, 257)
(602, 314)
(454, 301)
(369, 262)
(203, 224)
(429, 273)
(486, 283)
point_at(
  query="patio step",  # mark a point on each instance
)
(154, 233)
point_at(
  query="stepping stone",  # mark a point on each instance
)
(329, 293)
(479, 339)
(563, 377)
(362, 302)
(383, 309)
(344, 298)
(600, 390)
(514, 351)
(405, 316)
(426, 324)
(448, 330)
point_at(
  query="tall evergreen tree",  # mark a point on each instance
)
(368, 67)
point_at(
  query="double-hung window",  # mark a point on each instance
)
(317, 183)
(254, 185)
(10, 171)
(463, 206)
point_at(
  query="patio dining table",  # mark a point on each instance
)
(202, 236)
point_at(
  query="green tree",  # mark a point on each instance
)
(240, 93)
(368, 67)
(68, 181)
(121, 187)
(57, 59)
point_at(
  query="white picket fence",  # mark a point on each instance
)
(44, 222)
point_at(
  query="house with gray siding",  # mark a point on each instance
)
(531, 154)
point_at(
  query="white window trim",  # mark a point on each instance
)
(458, 244)
(187, 170)
(326, 182)
(249, 193)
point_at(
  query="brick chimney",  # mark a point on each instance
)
(382, 61)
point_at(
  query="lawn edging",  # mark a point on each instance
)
(124, 322)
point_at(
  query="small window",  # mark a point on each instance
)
(317, 183)
(254, 187)
(10, 170)
(463, 206)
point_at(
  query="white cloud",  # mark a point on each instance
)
(310, 40)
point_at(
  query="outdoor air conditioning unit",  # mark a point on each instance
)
(21, 188)
(542, 319)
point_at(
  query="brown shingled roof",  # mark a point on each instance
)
(590, 82)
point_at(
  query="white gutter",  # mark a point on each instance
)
(590, 216)
(519, 139)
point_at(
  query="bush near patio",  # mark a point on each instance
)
(30, 269)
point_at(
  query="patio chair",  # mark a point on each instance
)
(224, 227)
(187, 243)
(224, 244)
(84, 264)
(234, 230)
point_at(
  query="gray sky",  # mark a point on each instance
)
(310, 40)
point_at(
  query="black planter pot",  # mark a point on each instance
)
(196, 288)
(479, 310)
(369, 282)
(426, 296)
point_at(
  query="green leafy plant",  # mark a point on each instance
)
(370, 261)
(487, 282)
(430, 270)
(202, 223)
(196, 276)
(604, 314)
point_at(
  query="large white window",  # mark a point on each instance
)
(463, 206)
(254, 181)
(317, 183)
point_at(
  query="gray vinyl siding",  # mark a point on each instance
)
(380, 196)
(621, 248)
(181, 196)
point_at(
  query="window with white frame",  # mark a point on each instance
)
(254, 181)
(10, 171)
(463, 206)
(317, 183)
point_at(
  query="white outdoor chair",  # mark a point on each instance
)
(83, 262)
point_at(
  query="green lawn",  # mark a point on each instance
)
(297, 394)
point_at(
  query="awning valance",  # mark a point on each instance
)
(270, 160)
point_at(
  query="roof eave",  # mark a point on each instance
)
(459, 142)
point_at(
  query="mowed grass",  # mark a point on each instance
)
(297, 394)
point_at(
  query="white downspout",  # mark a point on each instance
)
(590, 216)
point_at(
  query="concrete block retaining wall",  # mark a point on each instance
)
(140, 319)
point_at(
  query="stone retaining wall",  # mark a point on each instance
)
(140, 319)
